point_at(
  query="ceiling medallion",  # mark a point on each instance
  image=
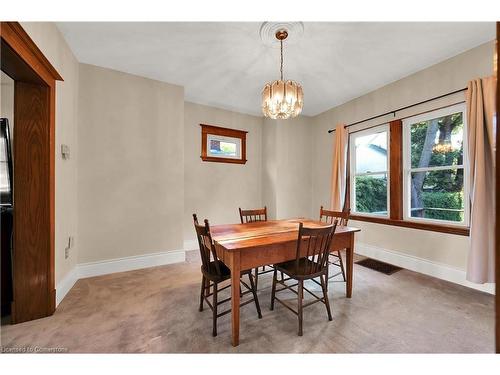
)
(282, 99)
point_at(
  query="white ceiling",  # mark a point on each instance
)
(225, 64)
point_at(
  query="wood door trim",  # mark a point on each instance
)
(19, 40)
(27, 65)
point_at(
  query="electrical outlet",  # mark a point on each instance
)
(71, 241)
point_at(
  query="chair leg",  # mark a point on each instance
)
(214, 332)
(256, 277)
(325, 296)
(202, 292)
(300, 298)
(207, 287)
(342, 265)
(327, 270)
(254, 292)
(273, 290)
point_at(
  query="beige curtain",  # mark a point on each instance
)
(339, 167)
(480, 138)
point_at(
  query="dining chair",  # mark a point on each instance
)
(214, 272)
(311, 262)
(252, 216)
(329, 217)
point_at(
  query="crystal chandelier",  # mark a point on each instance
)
(282, 99)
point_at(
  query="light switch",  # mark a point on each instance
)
(65, 152)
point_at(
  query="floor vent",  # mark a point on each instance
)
(376, 265)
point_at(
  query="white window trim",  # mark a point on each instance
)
(214, 137)
(352, 168)
(461, 107)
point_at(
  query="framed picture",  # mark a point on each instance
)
(223, 145)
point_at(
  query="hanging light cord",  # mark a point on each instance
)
(281, 63)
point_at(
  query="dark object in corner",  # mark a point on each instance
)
(376, 265)
(6, 218)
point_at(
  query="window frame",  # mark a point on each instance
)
(396, 175)
(219, 132)
(353, 174)
(407, 168)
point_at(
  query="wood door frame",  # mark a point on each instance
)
(35, 85)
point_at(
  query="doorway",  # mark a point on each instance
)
(34, 81)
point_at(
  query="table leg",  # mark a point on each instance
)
(350, 264)
(235, 297)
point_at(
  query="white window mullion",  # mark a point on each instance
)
(370, 173)
(438, 168)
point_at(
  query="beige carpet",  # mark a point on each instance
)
(156, 310)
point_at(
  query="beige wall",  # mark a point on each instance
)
(216, 190)
(287, 167)
(131, 165)
(50, 41)
(270, 160)
(439, 79)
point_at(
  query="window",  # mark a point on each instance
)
(223, 145)
(435, 180)
(370, 171)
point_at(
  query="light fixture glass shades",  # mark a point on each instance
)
(282, 99)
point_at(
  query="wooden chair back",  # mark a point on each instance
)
(207, 248)
(251, 216)
(314, 244)
(328, 216)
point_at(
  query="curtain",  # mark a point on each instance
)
(339, 168)
(480, 138)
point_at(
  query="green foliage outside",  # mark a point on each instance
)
(430, 190)
(443, 200)
(437, 189)
(371, 194)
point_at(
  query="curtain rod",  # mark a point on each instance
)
(402, 108)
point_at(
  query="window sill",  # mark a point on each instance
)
(223, 160)
(460, 231)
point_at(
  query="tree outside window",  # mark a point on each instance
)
(436, 166)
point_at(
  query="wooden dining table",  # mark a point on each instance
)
(247, 246)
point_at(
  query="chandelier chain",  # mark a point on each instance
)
(281, 63)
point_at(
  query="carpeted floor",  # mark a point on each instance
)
(156, 310)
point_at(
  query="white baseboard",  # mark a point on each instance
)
(427, 267)
(84, 270)
(65, 285)
(190, 245)
(130, 263)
